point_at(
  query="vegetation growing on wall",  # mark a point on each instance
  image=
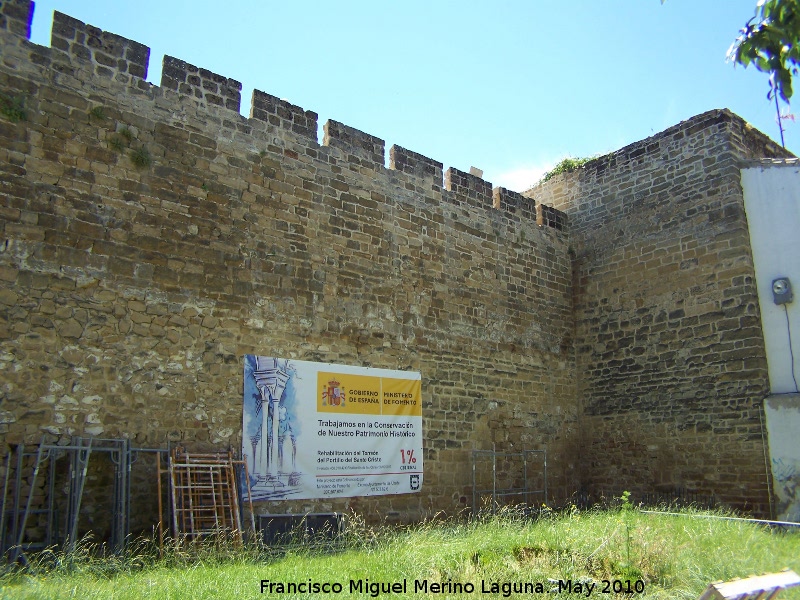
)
(567, 165)
(141, 158)
(98, 112)
(13, 107)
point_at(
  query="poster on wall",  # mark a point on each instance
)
(317, 430)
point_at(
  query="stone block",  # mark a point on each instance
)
(200, 83)
(358, 144)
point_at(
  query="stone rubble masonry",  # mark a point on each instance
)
(547, 215)
(410, 162)
(215, 89)
(670, 356)
(282, 114)
(514, 202)
(359, 147)
(113, 55)
(151, 236)
(467, 189)
(16, 18)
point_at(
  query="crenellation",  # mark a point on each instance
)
(283, 115)
(514, 203)
(202, 84)
(410, 162)
(16, 17)
(468, 188)
(368, 149)
(113, 56)
(117, 57)
(550, 217)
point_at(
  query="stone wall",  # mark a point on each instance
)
(150, 236)
(670, 354)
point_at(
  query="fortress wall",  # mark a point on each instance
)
(670, 355)
(150, 236)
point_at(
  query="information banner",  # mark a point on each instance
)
(316, 430)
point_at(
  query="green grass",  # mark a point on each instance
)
(98, 112)
(13, 107)
(117, 144)
(675, 556)
(141, 158)
(126, 133)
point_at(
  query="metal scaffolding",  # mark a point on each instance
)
(29, 473)
(517, 479)
(43, 488)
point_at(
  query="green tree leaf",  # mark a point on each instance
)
(770, 41)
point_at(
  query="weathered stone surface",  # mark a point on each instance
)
(621, 333)
(667, 314)
(130, 293)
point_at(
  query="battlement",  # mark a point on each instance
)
(471, 189)
(204, 85)
(16, 17)
(360, 147)
(92, 52)
(515, 203)
(410, 162)
(280, 113)
(113, 55)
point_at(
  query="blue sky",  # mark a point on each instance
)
(510, 87)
